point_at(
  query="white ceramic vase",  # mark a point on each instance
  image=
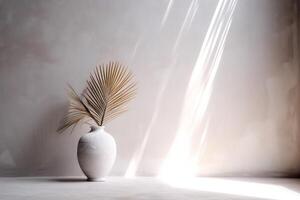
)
(96, 153)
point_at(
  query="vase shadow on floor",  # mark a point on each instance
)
(66, 180)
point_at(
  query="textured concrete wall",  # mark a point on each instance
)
(254, 107)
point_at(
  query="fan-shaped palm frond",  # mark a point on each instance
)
(108, 91)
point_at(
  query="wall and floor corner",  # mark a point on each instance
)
(251, 120)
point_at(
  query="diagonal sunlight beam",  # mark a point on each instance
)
(138, 154)
(180, 161)
(216, 62)
(194, 11)
(202, 145)
(187, 22)
(167, 12)
(135, 48)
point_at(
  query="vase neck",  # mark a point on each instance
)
(95, 128)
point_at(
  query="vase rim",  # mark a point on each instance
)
(95, 127)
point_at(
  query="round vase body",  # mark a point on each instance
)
(96, 153)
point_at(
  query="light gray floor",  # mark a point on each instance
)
(148, 188)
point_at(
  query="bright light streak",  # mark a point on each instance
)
(180, 161)
(201, 147)
(167, 12)
(135, 48)
(137, 156)
(195, 9)
(187, 21)
(236, 187)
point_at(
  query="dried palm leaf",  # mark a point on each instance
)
(108, 91)
(76, 112)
